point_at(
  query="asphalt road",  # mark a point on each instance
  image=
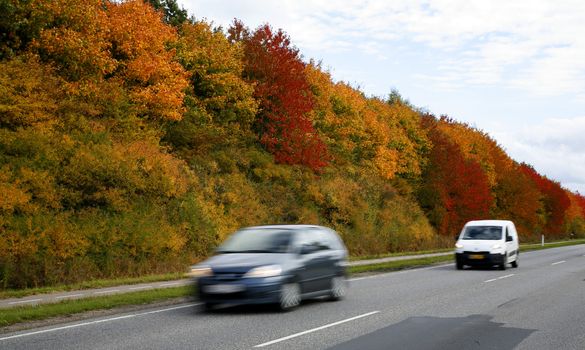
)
(540, 305)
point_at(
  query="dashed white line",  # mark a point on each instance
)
(24, 301)
(69, 296)
(558, 262)
(315, 329)
(107, 291)
(498, 278)
(98, 321)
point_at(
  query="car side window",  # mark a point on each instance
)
(508, 237)
(302, 239)
(316, 238)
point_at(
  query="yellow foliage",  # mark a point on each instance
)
(11, 196)
(29, 93)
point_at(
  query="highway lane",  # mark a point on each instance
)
(540, 305)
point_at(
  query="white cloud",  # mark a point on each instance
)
(554, 147)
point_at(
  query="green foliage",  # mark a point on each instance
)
(173, 14)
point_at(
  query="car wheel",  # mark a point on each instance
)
(290, 296)
(208, 307)
(338, 288)
(515, 262)
(504, 263)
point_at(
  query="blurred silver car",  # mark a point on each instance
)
(280, 264)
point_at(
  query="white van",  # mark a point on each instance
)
(488, 243)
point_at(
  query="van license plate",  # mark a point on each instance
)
(476, 256)
(224, 288)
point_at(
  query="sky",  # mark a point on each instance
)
(515, 69)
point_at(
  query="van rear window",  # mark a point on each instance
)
(483, 232)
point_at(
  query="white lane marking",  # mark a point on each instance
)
(69, 296)
(141, 287)
(98, 321)
(315, 329)
(558, 262)
(107, 291)
(24, 301)
(169, 284)
(499, 278)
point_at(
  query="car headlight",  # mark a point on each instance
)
(264, 271)
(458, 245)
(497, 246)
(200, 271)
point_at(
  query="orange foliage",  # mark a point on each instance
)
(139, 40)
(126, 43)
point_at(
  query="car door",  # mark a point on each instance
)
(326, 259)
(316, 259)
(510, 244)
(308, 254)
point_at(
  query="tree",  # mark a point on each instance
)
(172, 13)
(555, 200)
(517, 198)
(454, 190)
(285, 98)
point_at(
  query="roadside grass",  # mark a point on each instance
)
(400, 264)
(389, 255)
(538, 246)
(43, 311)
(69, 307)
(103, 283)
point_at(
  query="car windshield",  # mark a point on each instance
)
(483, 232)
(261, 240)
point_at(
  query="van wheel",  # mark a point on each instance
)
(338, 288)
(504, 264)
(290, 296)
(515, 262)
(458, 263)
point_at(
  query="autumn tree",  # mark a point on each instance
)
(517, 198)
(454, 190)
(554, 198)
(277, 70)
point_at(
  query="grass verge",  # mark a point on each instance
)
(103, 283)
(538, 246)
(69, 307)
(400, 264)
(390, 255)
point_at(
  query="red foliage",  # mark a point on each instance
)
(284, 95)
(556, 200)
(581, 202)
(455, 190)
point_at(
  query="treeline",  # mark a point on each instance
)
(133, 139)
